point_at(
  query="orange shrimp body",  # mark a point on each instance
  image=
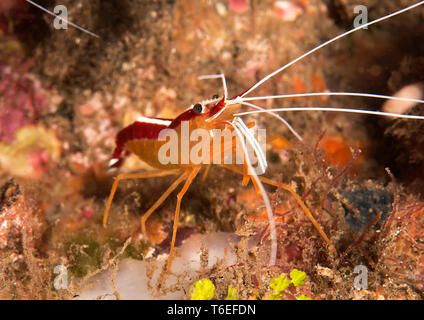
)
(143, 136)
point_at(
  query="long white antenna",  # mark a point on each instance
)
(284, 121)
(63, 19)
(330, 41)
(376, 113)
(315, 94)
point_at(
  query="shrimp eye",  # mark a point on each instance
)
(197, 108)
(215, 96)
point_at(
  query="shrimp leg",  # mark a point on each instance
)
(298, 200)
(193, 173)
(133, 176)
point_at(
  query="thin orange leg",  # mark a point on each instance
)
(205, 174)
(162, 198)
(131, 176)
(246, 176)
(298, 200)
(192, 175)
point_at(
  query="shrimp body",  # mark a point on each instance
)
(142, 137)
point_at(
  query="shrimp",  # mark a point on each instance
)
(142, 139)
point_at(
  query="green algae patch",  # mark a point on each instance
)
(85, 256)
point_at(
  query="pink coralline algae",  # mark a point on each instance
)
(238, 6)
(86, 213)
(288, 10)
(22, 99)
(38, 160)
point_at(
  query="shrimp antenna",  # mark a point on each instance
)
(242, 101)
(347, 94)
(327, 43)
(63, 19)
(284, 121)
(348, 110)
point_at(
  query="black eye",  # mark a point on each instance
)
(197, 108)
(215, 96)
